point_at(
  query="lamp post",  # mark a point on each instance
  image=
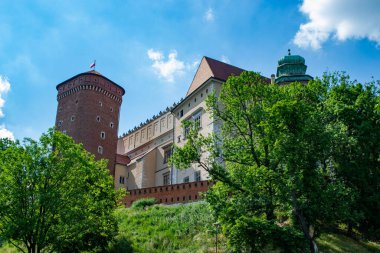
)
(216, 224)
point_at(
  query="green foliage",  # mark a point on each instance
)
(144, 203)
(180, 228)
(54, 196)
(289, 150)
(355, 108)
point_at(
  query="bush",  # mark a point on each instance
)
(143, 203)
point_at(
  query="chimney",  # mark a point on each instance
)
(272, 78)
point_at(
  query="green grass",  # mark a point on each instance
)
(189, 228)
(180, 228)
(336, 243)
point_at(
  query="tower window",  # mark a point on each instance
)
(121, 180)
(111, 125)
(98, 118)
(206, 90)
(111, 109)
(100, 103)
(72, 118)
(181, 113)
(76, 101)
(100, 149)
(102, 135)
(60, 123)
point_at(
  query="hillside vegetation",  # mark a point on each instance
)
(189, 228)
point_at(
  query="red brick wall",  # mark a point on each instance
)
(80, 97)
(170, 194)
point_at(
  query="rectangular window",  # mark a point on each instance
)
(167, 155)
(181, 113)
(166, 178)
(121, 180)
(186, 179)
(197, 120)
(197, 176)
(186, 131)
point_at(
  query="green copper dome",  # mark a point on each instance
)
(292, 68)
(291, 59)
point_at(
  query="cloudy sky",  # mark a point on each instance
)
(152, 48)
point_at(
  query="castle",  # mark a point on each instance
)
(89, 108)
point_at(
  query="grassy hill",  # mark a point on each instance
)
(189, 228)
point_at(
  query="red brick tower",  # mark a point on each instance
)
(88, 111)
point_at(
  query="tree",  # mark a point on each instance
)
(354, 106)
(271, 162)
(54, 196)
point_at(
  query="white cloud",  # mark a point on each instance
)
(225, 59)
(5, 86)
(339, 19)
(5, 133)
(209, 15)
(155, 55)
(166, 69)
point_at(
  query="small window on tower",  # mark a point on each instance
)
(60, 123)
(100, 103)
(72, 118)
(121, 180)
(100, 149)
(102, 135)
(76, 101)
(98, 118)
(181, 113)
(111, 125)
(111, 109)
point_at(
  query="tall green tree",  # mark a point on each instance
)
(54, 196)
(354, 106)
(271, 162)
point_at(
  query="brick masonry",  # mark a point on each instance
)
(89, 104)
(170, 194)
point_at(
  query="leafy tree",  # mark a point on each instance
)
(271, 161)
(54, 196)
(354, 106)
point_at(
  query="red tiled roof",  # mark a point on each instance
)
(122, 159)
(222, 70)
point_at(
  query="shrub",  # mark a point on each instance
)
(143, 203)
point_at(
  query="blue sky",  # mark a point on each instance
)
(152, 48)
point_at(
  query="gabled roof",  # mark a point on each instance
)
(212, 68)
